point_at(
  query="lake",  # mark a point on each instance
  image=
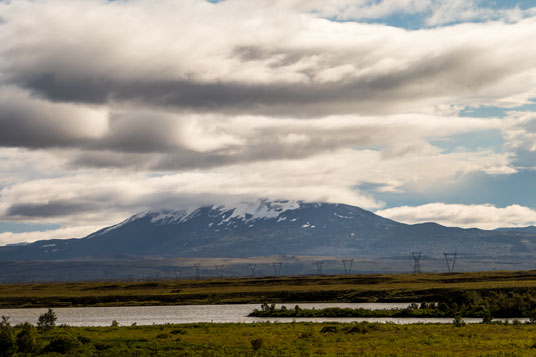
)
(149, 315)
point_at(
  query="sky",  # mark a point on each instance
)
(417, 110)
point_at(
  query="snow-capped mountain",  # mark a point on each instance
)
(265, 228)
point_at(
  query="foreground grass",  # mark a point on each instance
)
(294, 339)
(341, 288)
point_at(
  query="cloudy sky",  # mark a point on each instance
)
(418, 110)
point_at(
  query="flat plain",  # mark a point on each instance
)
(332, 288)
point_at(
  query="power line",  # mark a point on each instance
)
(450, 262)
(347, 263)
(417, 262)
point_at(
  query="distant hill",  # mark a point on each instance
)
(266, 228)
(528, 229)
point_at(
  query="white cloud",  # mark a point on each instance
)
(432, 12)
(107, 196)
(123, 106)
(195, 55)
(467, 216)
(62, 233)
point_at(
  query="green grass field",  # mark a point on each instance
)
(293, 339)
(275, 339)
(340, 288)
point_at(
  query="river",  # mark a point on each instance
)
(149, 315)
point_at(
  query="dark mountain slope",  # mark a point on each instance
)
(273, 228)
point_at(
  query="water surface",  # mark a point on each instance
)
(149, 315)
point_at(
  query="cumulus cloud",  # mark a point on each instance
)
(520, 137)
(215, 140)
(36, 123)
(166, 140)
(123, 106)
(467, 216)
(104, 196)
(197, 56)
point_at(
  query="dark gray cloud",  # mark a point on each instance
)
(453, 72)
(300, 140)
(33, 123)
(50, 209)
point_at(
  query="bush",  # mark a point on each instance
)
(84, 339)
(328, 329)
(63, 344)
(102, 346)
(458, 321)
(26, 340)
(7, 338)
(115, 323)
(256, 344)
(5, 322)
(487, 317)
(47, 320)
(360, 328)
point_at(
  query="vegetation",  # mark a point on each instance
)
(484, 304)
(484, 295)
(47, 320)
(276, 339)
(341, 288)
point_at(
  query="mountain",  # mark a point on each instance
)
(528, 229)
(266, 228)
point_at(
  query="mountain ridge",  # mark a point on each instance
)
(266, 228)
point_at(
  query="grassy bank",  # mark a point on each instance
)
(341, 288)
(299, 339)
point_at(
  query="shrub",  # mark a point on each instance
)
(102, 346)
(63, 344)
(7, 338)
(329, 329)
(486, 317)
(84, 339)
(47, 320)
(360, 328)
(256, 344)
(458, 321)
(26, 340)
(5, 322)
(115, 323)
(532, 317)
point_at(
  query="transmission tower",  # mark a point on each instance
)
(252, 269)
(277, 268)
(197, 274)
(347, 263)
(319, 267)
(219, 270)
(416, 262)
(450, 259)
(177, 272)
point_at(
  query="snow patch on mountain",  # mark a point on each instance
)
(167, 216)
(245, 211)
(249, 211)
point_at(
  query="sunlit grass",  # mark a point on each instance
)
(307, 339)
